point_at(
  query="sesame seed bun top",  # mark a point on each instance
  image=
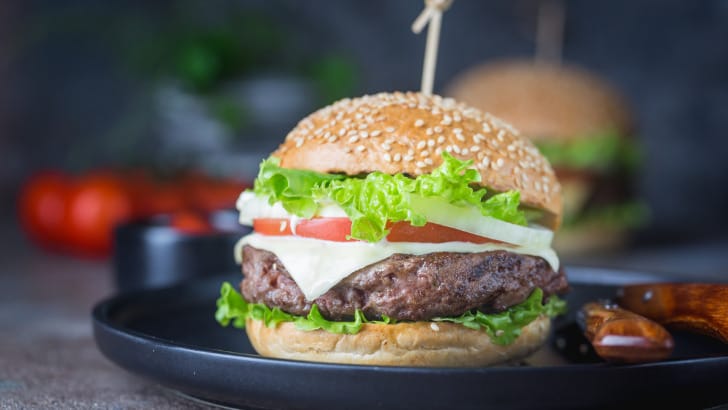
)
(406, 133)
(545, 101)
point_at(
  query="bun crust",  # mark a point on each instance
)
(406, 132)
(545, 101)
(403, 344)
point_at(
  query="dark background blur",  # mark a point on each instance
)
(217, 84)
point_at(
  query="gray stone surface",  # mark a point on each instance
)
(48, 359)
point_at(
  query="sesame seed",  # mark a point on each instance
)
(411, 152)
(430, 143)
(428, 161)
(420, 164)
(375, 133)
(446, 120)
(448, 148)
(460, 137)
(485, 161)
(419, 123)
(475, 148)
(434, 326)
(456, 149)
(421, 144)
(358, 116)
(363, 126)
(342, 132)
(440, 139)
(364, 134)
(333, 138)
(387, 157)
(397, 157)
(361, 148)
(408, 158)
(424, 153)
(511, 147)
(389, 129)
(428, 131)
(500, 162)
(457, 130)
(438, 150)
(486, 127)
(500, 135)
(438, 129)
(354, 139)
(465, 151)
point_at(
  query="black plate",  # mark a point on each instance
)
(171, 337)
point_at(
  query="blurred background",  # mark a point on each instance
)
(171, 95)
(156, 114)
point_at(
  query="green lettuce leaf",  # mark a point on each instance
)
(600, 152)
(375, 200)
(624, 215)
(291, 187)
(503, 328)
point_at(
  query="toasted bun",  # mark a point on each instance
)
(406, 132)
(545, 101)
(402, 344)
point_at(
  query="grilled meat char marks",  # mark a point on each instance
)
(408, 287)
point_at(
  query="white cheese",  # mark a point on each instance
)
(318, 265)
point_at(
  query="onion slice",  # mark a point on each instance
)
(469, 219)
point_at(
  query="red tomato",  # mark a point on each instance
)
(96, 204)
(329, 229)
(191, 222)
(210, 194)
(42, 207)
(337, 229)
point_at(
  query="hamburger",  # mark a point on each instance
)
(583, 126)
(399, 229)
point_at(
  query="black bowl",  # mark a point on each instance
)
(152, 254)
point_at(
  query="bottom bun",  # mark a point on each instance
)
(402, 344)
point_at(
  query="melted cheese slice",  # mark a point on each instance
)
(318, 265)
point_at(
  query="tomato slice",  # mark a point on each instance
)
(432, 233)
(337, 229)
(328, 229)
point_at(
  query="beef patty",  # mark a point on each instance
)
(407, 287)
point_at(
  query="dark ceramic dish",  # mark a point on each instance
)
(151, 254)
(170, 336)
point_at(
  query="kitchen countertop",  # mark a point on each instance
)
(48, 358)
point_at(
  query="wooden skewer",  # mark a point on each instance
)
(550, 31)
(432, 16)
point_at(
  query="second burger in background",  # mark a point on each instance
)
(583, 126)
(399, 229)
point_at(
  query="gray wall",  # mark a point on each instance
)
(670, 57)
